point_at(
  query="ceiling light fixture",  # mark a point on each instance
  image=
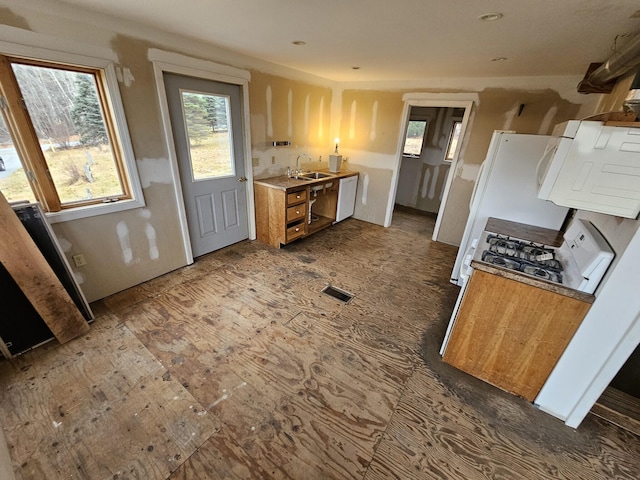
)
(499, 59)
(299, 42)
(490, 17)
(355, 68)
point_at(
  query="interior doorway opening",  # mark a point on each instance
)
(428, 161)
(431, 140)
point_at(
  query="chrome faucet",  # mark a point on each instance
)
(298, 159)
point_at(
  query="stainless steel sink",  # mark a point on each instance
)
(315, 175)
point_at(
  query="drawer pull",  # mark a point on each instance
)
(297, 229)
(298, 196)
(298, 212)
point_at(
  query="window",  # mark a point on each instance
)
(453, 141)
(415, 137)
(64, 149)
(209, 134)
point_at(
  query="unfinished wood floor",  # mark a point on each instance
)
(237, 367)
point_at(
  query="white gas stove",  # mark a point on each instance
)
(580, 263)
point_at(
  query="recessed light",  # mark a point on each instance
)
(299, 42)
(499, 59)
(490, 17)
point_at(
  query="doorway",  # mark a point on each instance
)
(440, 160)
(430, 145)
(206, 122)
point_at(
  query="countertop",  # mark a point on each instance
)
(283, 182)
(531, 233)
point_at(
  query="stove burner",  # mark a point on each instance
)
(529, 258)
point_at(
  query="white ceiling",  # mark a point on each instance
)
(398, 39)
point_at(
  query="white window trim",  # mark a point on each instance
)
(183, 65)
(120, 124)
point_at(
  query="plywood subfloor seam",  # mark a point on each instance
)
(391, 421)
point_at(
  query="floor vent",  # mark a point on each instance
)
(341, 295)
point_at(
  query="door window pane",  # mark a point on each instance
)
(13, 179)
(206, 118)
(415, 137)
(66, 113)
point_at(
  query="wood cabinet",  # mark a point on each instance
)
(289, 209)
(281, 215)
(511, 334)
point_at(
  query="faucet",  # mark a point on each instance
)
(298, 159)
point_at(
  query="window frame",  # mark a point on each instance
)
(117, 126)
(424, 134)
(448, 155)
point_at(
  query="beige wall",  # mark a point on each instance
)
(283, 109)
(371, 123)
(284, 105)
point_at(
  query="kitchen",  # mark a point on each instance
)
(368, 122)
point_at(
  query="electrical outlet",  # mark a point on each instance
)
(273, 159)
(79, 260)
(255, 161)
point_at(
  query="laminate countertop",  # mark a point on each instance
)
(283, 182)
(534, 234)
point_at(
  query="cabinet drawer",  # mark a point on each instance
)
(295, 231)
(296, 197)
(296, 212)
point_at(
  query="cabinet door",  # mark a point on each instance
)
(511, 334)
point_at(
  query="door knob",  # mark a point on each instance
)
(242, 179)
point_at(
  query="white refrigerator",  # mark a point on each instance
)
(506, 189)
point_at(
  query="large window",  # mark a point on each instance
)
(64, 148)
(415, 138)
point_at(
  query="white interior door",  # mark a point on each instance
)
(206, 120)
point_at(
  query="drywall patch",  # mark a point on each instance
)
(545, 126)
(269, 100)
(122, 230)
(352, 121)
(64, 244)
(290, 113)
(365, 188)
(306, 116)
(144, 213)
(154, 170)
(434, 182)
(468, 172)
(150, 233)
(80, 278)
(425, 182)
(374, 120)
(125, 76)
(321, 118)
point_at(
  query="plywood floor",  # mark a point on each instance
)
(237, 367)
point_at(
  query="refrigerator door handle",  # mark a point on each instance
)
(475, 187)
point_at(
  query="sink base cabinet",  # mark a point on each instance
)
(511, 334)
(285, 215)
(281, 216)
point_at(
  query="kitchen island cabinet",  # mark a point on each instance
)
(510, 333)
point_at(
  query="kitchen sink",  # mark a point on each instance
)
(315, 175)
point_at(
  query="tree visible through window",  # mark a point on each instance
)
(415, 137)
(206, 117)
(68, 154)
